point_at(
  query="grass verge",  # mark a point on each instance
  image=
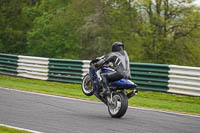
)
(11, 130)
(148, 99)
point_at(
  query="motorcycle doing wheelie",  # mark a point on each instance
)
(121, 90)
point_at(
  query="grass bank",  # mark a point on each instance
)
(11, 130)
(147, 99)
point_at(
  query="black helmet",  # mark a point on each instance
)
(117, 46)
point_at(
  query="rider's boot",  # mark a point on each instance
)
(106, 89)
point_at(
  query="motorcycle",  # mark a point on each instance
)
(121, 90)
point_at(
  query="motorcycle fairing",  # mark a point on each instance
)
(123, 83)
(120, 84)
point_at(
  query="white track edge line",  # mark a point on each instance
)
(18, 128)
(88, 101)
(162, 111)
(49, 95)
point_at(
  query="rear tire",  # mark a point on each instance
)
(87, 87)
(119, 106)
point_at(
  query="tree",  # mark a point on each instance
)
(93, 33)
(166, 23)
(53, 32)
(156, 31)
(13, 26)
(122, 16)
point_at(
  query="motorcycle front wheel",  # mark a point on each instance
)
(87, 87)
(118, 107)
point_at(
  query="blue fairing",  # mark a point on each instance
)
(123, 83)
(105, 70)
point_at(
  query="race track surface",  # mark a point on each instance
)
(62, 115)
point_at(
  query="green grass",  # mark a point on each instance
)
(11, 130)
(147, 99)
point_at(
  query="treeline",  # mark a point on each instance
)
(154, 31)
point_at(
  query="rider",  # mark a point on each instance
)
(120, 62)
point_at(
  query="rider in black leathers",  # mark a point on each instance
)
(120, 62)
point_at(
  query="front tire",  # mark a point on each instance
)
(119, 105)
(87, 87)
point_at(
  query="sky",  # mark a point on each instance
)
(197, 2)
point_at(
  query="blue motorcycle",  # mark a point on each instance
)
(121, 90)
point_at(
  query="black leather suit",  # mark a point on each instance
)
(120, 63)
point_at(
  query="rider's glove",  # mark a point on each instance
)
(96, 65)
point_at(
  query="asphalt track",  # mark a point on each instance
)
(51, 114)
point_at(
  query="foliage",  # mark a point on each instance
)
(166, 24)
(156, 31)
(12, 21)
(52, 35)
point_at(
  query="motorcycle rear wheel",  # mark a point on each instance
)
(119, 105)
(87, 87)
